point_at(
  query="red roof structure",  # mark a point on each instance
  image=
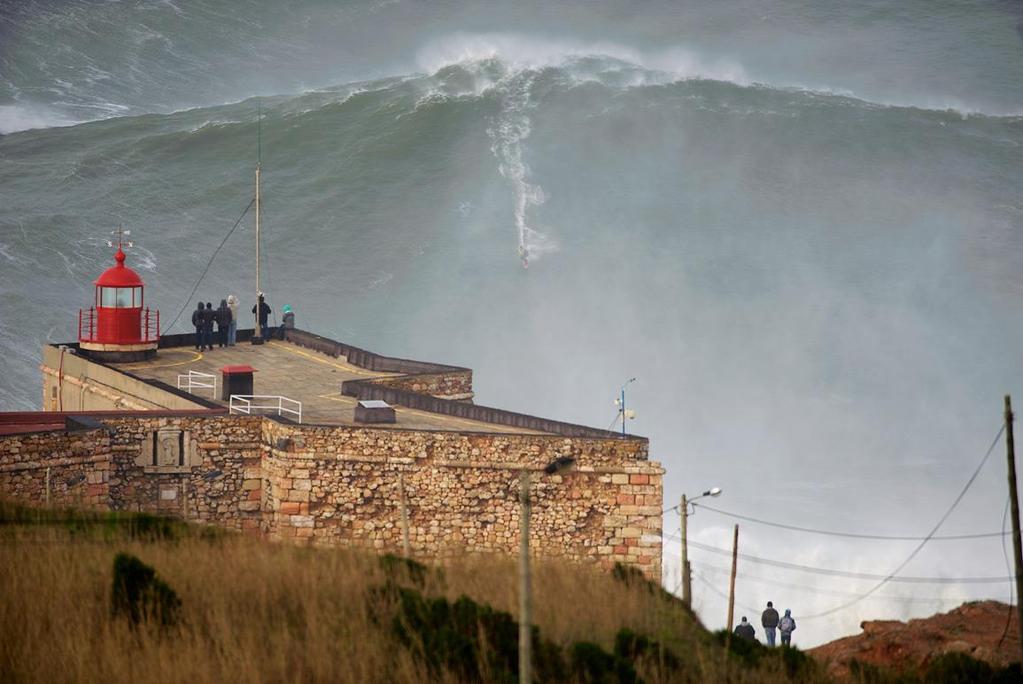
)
(119, 275)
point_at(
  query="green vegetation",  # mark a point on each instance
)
(112, 597)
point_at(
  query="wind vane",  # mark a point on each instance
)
(121, 233)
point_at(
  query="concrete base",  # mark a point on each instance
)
(118, 353)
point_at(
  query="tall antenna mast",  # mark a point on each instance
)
(259, 155)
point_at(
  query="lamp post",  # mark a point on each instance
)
(687, 595)
(621, 405)
(559, 465)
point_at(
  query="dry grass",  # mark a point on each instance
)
(255, 611)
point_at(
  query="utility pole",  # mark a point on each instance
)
(687, 596)
(406, 548)
(258, 337)
(731, 581)
(525, 632)
(1017, 549)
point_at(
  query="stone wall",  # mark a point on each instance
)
(220, 480)
(339, 485)
(455, 385)
(64, 468)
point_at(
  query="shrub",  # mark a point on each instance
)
(958, 668)
(592, 664)
(139, 595)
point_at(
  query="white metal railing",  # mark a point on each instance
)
(247, 403)
(197, 380)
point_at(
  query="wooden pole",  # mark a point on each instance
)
(687, 596)
(47, 485)
(1017, 548)
(731, 581)
(525, 632)
(406, 547)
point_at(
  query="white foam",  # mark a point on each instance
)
(525, 52)
(507, 132)
(15, 118)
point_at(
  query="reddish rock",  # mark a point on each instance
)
(974, 628)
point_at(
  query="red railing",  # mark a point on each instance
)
(120, 326)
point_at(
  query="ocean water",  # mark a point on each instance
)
(798, 227)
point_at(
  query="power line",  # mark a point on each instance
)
(188, 300)
(830, 592)
(853, 535)
(843, 573)
(920, 546)
(710, 585)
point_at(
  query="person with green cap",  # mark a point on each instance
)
(288, 322)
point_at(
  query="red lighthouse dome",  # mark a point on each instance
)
(117, 327)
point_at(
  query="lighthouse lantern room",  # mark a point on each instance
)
(117, 327)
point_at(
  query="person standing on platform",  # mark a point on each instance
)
(769, 620)
(209, 317)
(264, 314)
(197, 320)
(232, 328)
(223, 322)
(288, 322)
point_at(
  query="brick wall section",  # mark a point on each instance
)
(339, 485)
(79, 463)
(454, 385)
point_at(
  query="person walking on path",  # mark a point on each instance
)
(744, 630)
(769, 620)
(264, 314)
(232, 328)
(223, 322)
(209, 317)
(197, 318)
(787, 626)
(288, 320)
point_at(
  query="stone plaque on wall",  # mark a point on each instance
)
(168, 449)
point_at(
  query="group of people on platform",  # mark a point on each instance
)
(772, 624)
(225, 319)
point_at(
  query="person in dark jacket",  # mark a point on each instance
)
(744, 630)
(223, 322)
(264, 314)
(769, 620)
(197, 321)
(209, 317)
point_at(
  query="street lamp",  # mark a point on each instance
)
(687, 578)
(620, 403)
(560, 465)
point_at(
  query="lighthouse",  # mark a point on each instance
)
(116, 327)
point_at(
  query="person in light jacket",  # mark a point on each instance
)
(232, 326)
(288, 320)
(786, 626)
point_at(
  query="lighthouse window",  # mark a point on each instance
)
(120, 297)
